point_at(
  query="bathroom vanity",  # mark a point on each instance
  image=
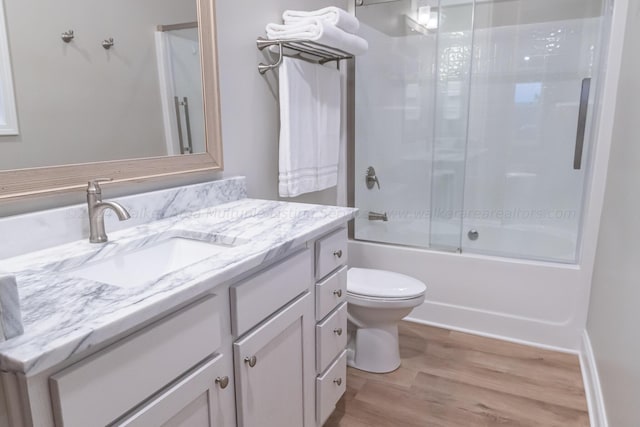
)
(251, 334)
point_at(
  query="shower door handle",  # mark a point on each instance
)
(582, 123)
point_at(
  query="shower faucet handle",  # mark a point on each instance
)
(372, 178)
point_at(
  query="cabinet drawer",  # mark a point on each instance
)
(331, 252)
(330, 293)
(104, 386)
(330, 387)
(258, 297)
(331, 337)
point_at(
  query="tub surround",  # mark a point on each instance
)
(64, 315)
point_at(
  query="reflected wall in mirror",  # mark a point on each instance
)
(148, 102)
(78, 102)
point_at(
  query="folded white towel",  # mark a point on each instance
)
(10, 318)
(332, 15)
(320, 32)
(309, 127)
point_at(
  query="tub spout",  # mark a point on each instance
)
(375, 216)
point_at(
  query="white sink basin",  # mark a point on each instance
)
(148, 264)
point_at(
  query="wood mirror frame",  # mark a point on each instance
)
(34, 182)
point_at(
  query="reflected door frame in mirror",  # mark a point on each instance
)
(8, 115)
(35, 182)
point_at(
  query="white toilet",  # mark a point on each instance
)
(376, 301)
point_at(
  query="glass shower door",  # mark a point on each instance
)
(533, 65)
(470, 117)
(453, 85)
(394, 122)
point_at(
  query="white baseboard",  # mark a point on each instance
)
(595, 400)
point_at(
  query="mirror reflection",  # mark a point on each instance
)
(100, 81)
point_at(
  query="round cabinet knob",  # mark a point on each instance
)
(338, 253)
(338, 381)
(338, 293)
(223, 382)
(251, 361)
(338, 331)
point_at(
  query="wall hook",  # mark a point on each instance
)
(107, 43)
(67, 36)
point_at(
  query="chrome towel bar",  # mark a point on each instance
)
(302, 48)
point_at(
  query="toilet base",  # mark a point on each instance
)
(374, 349)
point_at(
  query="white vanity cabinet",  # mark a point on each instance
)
(265, 349)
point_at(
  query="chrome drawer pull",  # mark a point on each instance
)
(223, 382)
(338, 253)
(338, 293)
(251, 361)
(338, 381)
(338, 331)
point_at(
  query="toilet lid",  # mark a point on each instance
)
(383, 284)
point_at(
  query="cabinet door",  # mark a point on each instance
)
(274, 368)
(202, 398)
(189, 336)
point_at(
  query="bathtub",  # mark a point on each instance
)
(532, 302)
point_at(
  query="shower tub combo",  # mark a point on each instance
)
(473, 156)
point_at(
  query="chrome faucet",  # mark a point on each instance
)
(97, 208)
(375, 216)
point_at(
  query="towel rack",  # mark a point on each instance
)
(319, 52)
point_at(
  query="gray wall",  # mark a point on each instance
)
(77, 102)
(250, 118)
(614, 313)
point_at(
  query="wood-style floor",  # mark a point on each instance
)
(453, 379)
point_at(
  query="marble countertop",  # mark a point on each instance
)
(64, 315)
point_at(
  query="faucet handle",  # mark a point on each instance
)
(372, 178)
(94, 185)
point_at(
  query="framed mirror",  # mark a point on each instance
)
(120, 89)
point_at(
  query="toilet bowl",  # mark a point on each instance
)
(376, 301)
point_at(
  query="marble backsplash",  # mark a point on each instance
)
(26, 233)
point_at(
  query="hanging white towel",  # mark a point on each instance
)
(332, 15)
(309, 127)
(320, 32)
